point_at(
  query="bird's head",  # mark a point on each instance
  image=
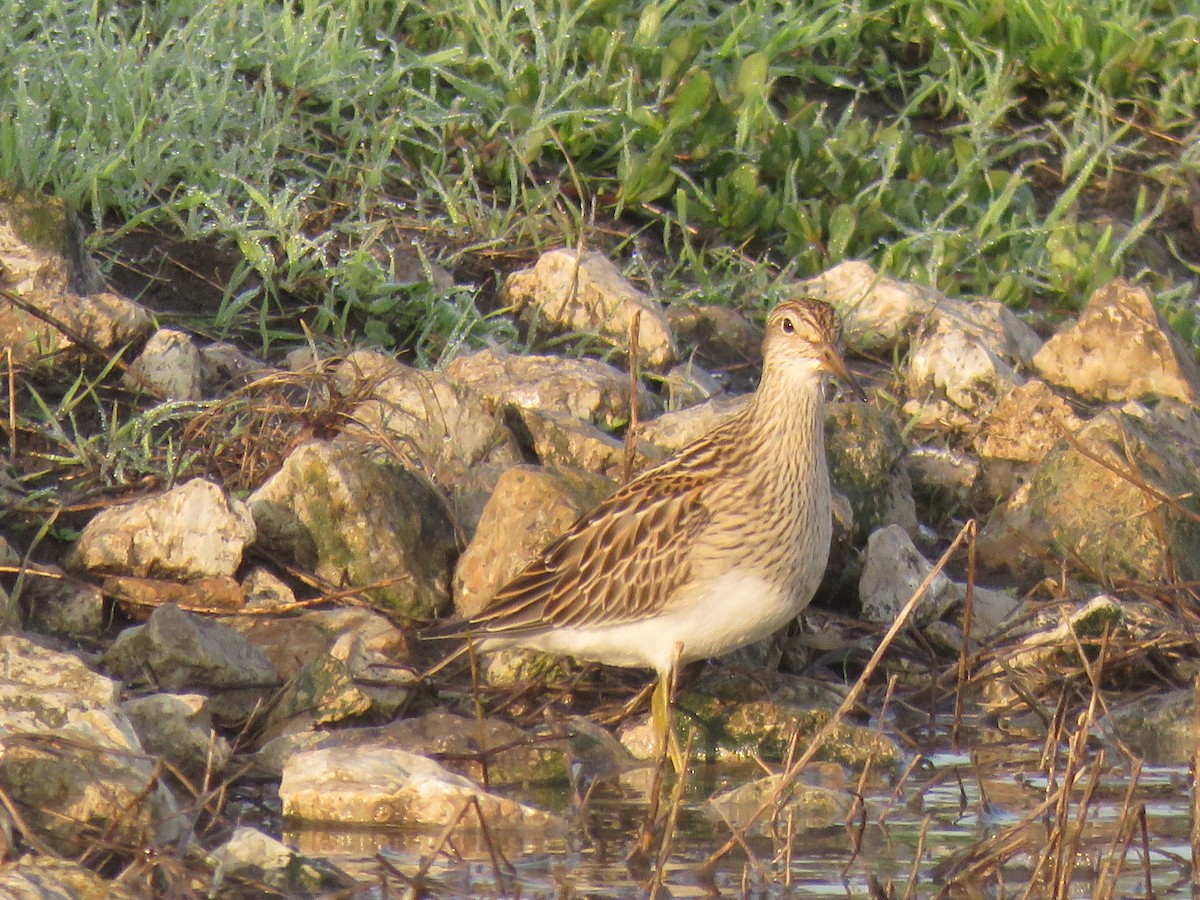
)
(804, 337)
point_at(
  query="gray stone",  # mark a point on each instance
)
(565, 442)
(191, 531)
(354, 522)
(585, 389)
(64, 606)
(387, 786)
(176, 651)
(688, 384)
(438, 425)
(168, 367)
(723, 338)
(584, 292)
(264, 591)
(252, 855)
(1161, 729)
(893, 571)
(225, 366)
(179, 728)
(1121, 348)
(530, 507)
(738, 716)
(941, 469)
(462, 744)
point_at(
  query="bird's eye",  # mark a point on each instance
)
(788, 326)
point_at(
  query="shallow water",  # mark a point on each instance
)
(949, 804)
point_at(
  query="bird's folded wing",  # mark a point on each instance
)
(622, 562)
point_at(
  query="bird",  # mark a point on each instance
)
(714, 548)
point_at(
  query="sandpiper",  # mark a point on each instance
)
(715, 548)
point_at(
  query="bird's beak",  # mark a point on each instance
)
(832, 362)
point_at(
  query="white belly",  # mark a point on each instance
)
(733, 610)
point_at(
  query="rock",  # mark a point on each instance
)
(1019, 432)
(339, 663)
(1161, 729)
(168, 367)
(462, 744)
(225, 367)
(190, 531)
(34, 229)
(294, 642)
(564, 442)
(584, 292)
(439, 426)
(673, 431)
(64, 606)
(937, 469)
(739, 715)
(517, 666)
(70, 760)
(991, 610)
(530, 507)
(387, 786)
(321, 693)
(1040, 658)
(263, 590)
(1101, 522)
(687, 384)
(723, 338)
(893, 571)
(175, 651)
(876, 311)
(968, 354)
(1121, 348)
(45, 878)
(585, 389)
(254, 856)
(866, 463)
(179, 728)
(807, 806)
(354, 522)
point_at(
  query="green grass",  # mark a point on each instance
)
(1020, 151)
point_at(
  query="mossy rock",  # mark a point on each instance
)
(738, 716)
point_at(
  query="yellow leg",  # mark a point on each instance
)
(661, 716)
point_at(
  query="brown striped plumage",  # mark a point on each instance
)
(714, 548)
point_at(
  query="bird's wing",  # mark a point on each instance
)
(623, 561)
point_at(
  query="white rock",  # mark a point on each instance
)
(586, 389)
(441, 426)
(69, 758)
(169, 367)
(389, 786)
(969, 354)
(893, 571)
(192, 531)
(585, 292)
(876, 311)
